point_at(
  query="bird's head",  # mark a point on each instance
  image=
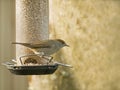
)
(62, 43)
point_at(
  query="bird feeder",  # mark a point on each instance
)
(32, 24)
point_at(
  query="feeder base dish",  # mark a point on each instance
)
(32, 70)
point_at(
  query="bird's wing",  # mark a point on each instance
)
(40, 46)
(32, 45)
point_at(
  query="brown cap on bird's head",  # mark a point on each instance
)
(63, 42)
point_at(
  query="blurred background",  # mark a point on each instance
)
(90, 27)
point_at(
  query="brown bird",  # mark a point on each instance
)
(45, 47)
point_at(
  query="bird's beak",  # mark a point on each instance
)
(67, 45)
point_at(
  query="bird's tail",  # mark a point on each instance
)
(24, 44)
(16, 43)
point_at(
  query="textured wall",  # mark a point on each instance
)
(91, 28)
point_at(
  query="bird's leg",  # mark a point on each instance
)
(42, 55)
(49, 58)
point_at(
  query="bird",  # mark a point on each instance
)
(45, 47)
